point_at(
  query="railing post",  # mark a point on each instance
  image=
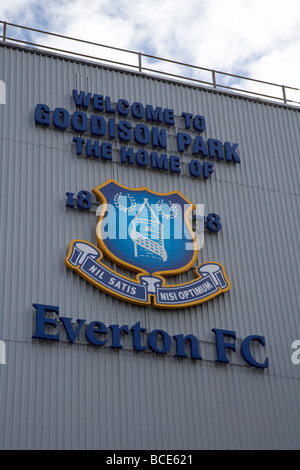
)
(214, 78)
(140, 61)
(284, 94)
(4, 31)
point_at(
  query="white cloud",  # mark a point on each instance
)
(257, 38)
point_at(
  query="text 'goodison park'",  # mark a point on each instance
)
(133, 132)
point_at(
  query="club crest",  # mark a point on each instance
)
(149, 233)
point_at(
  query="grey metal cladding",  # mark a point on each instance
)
(63, 396)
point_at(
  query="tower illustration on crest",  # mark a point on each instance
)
(147, 233)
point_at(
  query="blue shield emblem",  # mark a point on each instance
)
(150, 233)
(145, 231)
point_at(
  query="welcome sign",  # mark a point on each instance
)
(147, 232)
(104, 120)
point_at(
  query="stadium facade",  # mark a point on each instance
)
(116, 332)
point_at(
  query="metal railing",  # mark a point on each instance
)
(140, 67)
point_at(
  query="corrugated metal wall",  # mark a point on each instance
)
(58, 395)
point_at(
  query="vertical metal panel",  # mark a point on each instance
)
(58, 395)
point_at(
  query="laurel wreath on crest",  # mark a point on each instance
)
(172, 214)
(124, 208)
(173, 209)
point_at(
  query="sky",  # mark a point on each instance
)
(259, 39)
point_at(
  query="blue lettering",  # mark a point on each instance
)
(123, 107)
(98, 103)
(137, 330)
(159, 341)
(194, 344)
(215, 149)
(61, 118)
(187, 119)
(199, 146)
(97, 125)
(152, 341)
(93, 328)
(154, 115)
(169, 116)
(82, 99)
(246, 353)
(174, 164)
(208, 169)
(42, 321)
(183, 140)
(141, 134)
(127, 155)
(42, 114)
(199, 123)
(71, 334)
(159, 162)
(230, 152)
(195, 168)
(79, 122)
(221, 345)
(108, 108)
(116, 330)
(111, 128)
(142, 157)
(159, 138)
(79, 143)
(124, 131)
(137, 110)
(106, 151)
(92, 149)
